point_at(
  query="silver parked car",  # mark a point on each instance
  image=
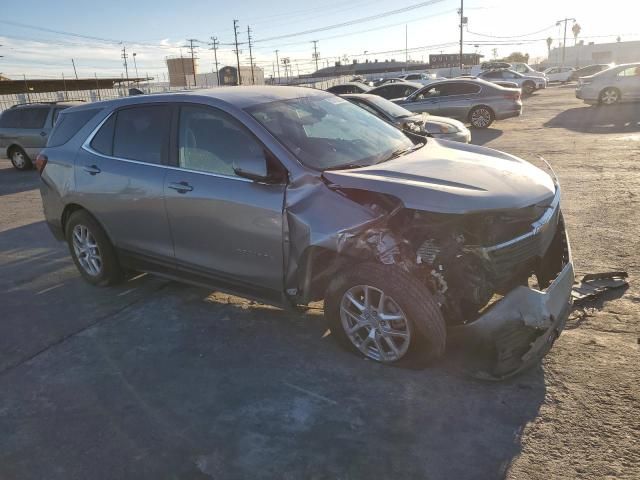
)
(528, 83)
(420, 123)
(468, 100)
(291, 195)
(611, 86)
(24, 130)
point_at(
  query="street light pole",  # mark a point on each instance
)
(564, 41)
(135, 65)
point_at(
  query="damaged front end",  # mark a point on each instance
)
(479, 266)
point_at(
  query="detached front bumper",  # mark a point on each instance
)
(517, 331)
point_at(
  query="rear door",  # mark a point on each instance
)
(223, 225)
(120, 175)
(628, 81)
(457, 98)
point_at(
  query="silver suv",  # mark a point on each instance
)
(24, 130)
(291, 195)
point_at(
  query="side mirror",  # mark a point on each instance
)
(253, 168)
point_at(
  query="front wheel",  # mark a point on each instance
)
(610, 96)
(383, 313)
(19, 159)
(481, 117)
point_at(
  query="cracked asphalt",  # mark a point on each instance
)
(153, 379)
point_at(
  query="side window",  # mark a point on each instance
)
(630, 72)
(68, 125)
(338, 89)
(495, 74)
(103, 140)
(10, 118)
(142, 133)
(367, 107)
(210, 140)
(430, 92)
(383, 92)
(462, 89)
(33, 117)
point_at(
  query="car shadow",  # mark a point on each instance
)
(623, 118)
(16, 181)
(484, 136)
(213, 383)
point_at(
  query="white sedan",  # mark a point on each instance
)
(559, 74)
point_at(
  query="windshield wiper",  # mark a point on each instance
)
(345, 166)
(402, 151)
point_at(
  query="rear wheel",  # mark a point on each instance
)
(384, 314)
(610, 96)
(481, 117)
(92, 252)
(528, 87)
(19, 159)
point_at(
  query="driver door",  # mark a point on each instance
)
(223, 225)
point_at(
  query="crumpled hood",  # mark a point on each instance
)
(452, 177)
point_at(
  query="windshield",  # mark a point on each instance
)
(390, 108)
(330, 132)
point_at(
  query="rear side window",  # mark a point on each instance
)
(103, 139)
(24, 117)
(68, 124)
(142, 133)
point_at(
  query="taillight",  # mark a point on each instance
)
(41, 162)
(512, 96)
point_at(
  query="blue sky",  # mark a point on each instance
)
(155, 29)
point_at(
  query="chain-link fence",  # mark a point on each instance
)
(7, 101)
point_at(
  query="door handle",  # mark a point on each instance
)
(180, 187)
(92, 170)
(43, 134)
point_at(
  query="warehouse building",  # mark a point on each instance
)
(586, 54)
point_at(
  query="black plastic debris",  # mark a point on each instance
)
(595, 284)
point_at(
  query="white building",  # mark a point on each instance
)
(582, 54)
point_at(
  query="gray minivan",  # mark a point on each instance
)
(24, 130)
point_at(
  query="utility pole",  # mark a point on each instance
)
(193, 59)
(124, 57)
(564, 42)
(135, 65)
(253, 80)
(214, 46)
(315, 52)
(74, 68)
(278, 65)
(463, 21)
(235, 33)
(406, 47)
(64, 84)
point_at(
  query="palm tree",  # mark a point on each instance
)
(576, 31)
(549, 42)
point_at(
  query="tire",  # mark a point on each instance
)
(410, 318)
(92, 252)
(609, 96)
(528, 88)
(19, 159)
(481, 117)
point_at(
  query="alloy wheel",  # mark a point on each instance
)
(86, 250)
(375, 324)
(481, 118)
(18, 159)
(610, 96)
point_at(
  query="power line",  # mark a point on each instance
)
(511, 36)
(353, 22)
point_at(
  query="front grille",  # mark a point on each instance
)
(509, 256)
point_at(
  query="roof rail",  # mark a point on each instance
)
(48, 102)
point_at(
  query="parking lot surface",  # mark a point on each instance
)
(153, 379)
